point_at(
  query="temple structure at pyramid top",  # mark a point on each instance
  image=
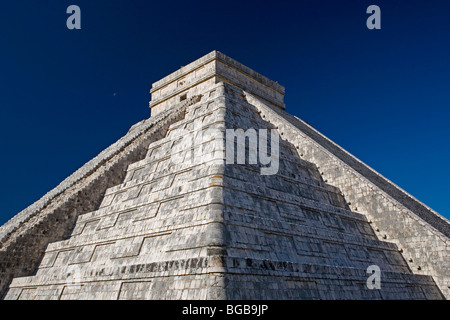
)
(212, 68)
(167, 213)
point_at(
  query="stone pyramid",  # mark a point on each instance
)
(166, 213)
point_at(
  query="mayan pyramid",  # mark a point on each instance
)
(156, 217)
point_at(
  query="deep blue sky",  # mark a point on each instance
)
(383, 95)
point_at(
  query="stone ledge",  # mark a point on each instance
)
(215, 55)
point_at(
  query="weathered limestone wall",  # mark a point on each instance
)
(421, 234)
(154, 236)
(24, 238)
(292, 235)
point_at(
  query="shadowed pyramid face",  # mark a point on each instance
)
(239, 146)
(225, 200)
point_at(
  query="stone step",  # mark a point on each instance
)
(133, 222)
(241, 185)
(194, 179)
(314, 236)
(321, 277)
